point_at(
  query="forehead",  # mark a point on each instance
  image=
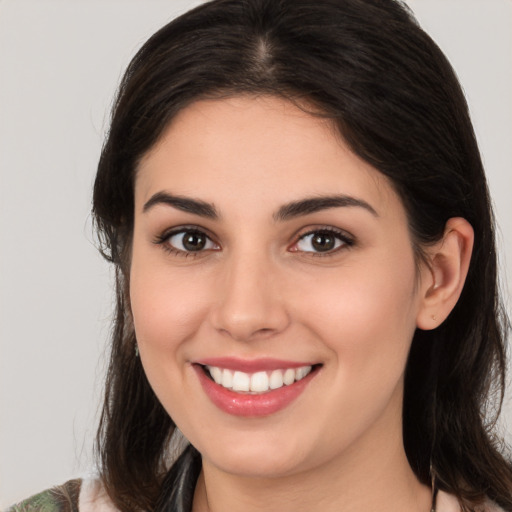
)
(254, 148)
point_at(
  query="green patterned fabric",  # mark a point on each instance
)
(63, 498)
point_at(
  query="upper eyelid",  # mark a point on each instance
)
(330, 229)
(166, 233)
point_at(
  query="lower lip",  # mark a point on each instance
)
(248, 405)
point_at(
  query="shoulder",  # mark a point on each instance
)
(62, 498)
(448, 503)
(73, 496)
(491, 507)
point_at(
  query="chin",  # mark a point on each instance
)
(258, 464)
(257, 456)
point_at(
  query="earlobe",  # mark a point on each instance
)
(448, 267)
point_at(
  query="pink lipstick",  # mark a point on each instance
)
(253, 388)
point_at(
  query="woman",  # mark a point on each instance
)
(294, 201)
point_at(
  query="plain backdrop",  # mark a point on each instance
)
(60, 63)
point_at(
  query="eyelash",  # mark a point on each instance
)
(346, 239)
(163, 240)
(342, 236)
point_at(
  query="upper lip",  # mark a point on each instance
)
(251, 365)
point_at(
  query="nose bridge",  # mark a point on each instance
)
(249, 301)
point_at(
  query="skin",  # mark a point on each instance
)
(259, 289)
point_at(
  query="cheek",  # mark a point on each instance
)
(167, 306)
(168, 309)
(367, 316)
(367, 320)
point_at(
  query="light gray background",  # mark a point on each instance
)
(60, 62)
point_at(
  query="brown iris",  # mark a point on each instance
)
(193, 241)
(323, 242)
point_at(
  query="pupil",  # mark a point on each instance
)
(194, 241)
(323, 242)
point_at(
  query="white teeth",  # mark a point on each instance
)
(276, 379)
(259, 382)
(241, 381)
(302, 372)
(227, 379)
(289, 376)
(216, 374)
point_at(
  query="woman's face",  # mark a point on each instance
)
(269, 257)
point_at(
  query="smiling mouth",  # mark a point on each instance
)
(257, 382)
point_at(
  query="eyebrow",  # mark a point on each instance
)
(185, 204)
(285, 212)
(316, 204)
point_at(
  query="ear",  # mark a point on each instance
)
(443, 279)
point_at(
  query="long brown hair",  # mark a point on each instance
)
(390, 91)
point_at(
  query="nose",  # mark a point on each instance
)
(250, 303)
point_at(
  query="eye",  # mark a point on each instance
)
(186, 241)
(322, 241)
